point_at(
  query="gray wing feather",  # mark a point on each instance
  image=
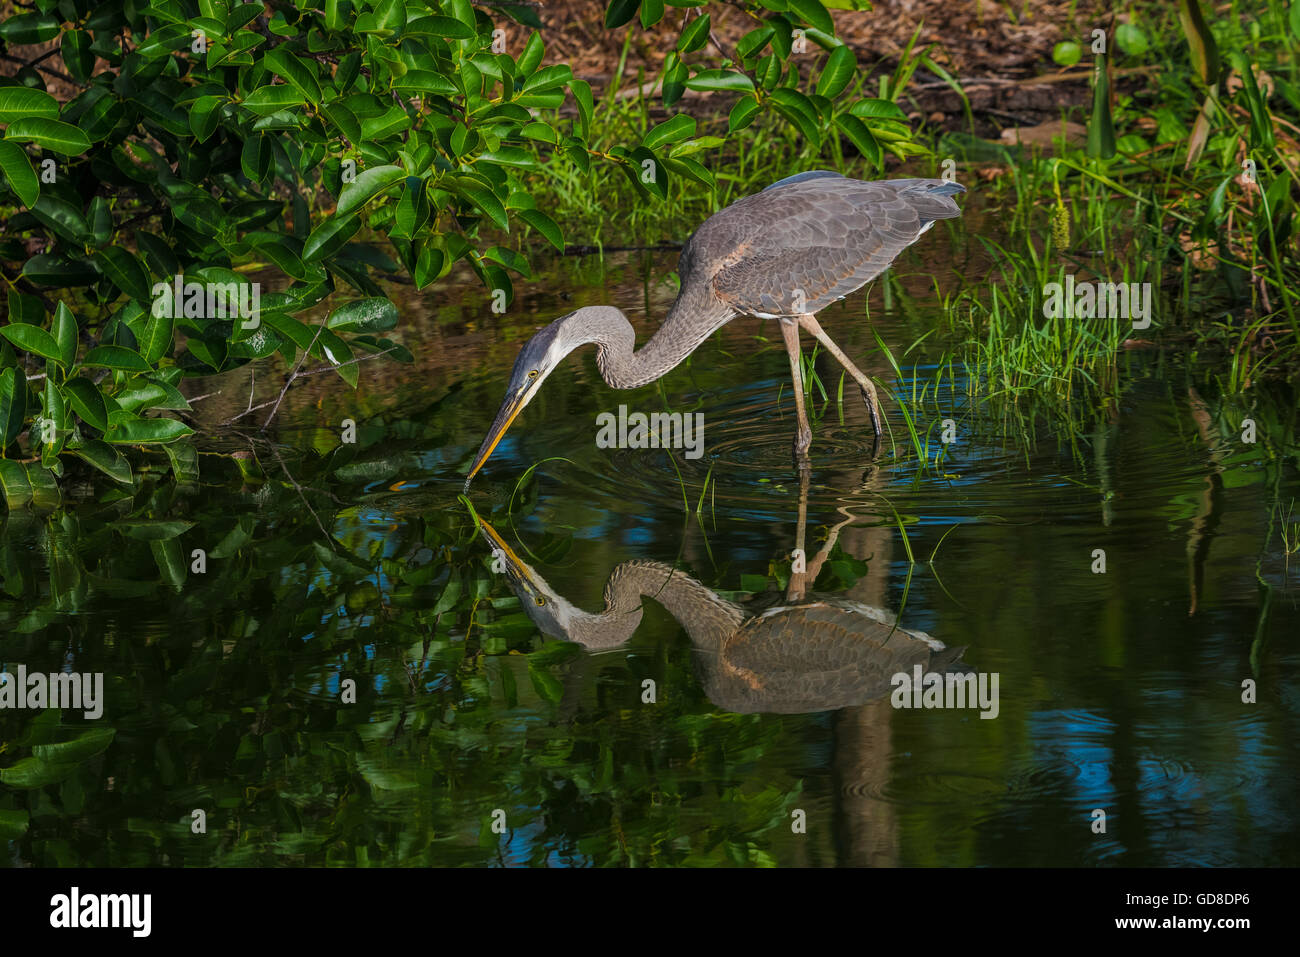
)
(812, 239)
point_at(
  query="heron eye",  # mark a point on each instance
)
(540, 600)
(533, 374)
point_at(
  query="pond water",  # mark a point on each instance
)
(385, 700)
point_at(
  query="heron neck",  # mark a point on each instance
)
(694, 316)
(707, 618)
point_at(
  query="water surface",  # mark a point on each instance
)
(230, 691)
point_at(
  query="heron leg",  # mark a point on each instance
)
(803, 438)
(810, 323)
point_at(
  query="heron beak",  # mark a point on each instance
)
(509, 410)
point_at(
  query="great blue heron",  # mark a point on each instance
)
(784, 253)
(813, 653)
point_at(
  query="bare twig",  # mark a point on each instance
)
(44, 69)
(293, 375)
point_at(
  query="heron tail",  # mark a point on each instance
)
(946, 189)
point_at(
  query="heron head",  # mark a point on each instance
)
(552, 614)
(536, 360)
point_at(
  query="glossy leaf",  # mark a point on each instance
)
(17, 169)
(53, 135)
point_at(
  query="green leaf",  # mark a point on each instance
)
(549, 78)
(1067, 53)
(753, 41)
(581, 91)
(695, 35)
(345, 120)
(620, 12)
(861, 137)
(157, 339)
(813, 14)
(296, 72)
(544, 225)
(743, 113)
(542, 132)
(59, 271)
(679, 127)
(329, 237)
(484, 199)
(25, 308)
(116, 357)
(125, 271)
(13, 481)
(54, 135)
(31, 339)
(107, 459)
(152, 529)
(13, 403)
(65, 335)
(531, 57)
(44, 484)
(129, 429)
(708, 80)
(184, 459)
(77, 55)
(266, 100)
(81, 748)
(1200, 41)
(22, 102)
(648, 172)
(695, 146)
(839, 70)
(799, 110)
(28, 28)
(429, 266)
(363, 315)
(62, 218)
(87, 402)
(17, 168)
(242, 15)
(1101, 128)
(339, 355)
(652, 11)
(425, 82)
(169, 558)
(366, 187)
(205, 114)
(878, 109)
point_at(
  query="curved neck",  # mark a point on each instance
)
(694, 316)
(707, 618)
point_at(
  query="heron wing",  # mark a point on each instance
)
(799, 246)
(816, 656)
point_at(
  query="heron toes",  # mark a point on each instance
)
(873, 407)
(802, 443)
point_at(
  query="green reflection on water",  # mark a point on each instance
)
(228, 690)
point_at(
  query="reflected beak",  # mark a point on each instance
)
(510, 408)
(515, 568)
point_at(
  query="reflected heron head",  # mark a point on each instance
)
(552, 614)
(555, 615)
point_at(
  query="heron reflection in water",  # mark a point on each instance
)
(784, 253)
(808, 653)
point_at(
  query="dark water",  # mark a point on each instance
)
(228, 691)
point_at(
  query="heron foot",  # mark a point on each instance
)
(873, 406)
(802, 443)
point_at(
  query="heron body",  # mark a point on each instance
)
(821, 654)
(784, 253)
